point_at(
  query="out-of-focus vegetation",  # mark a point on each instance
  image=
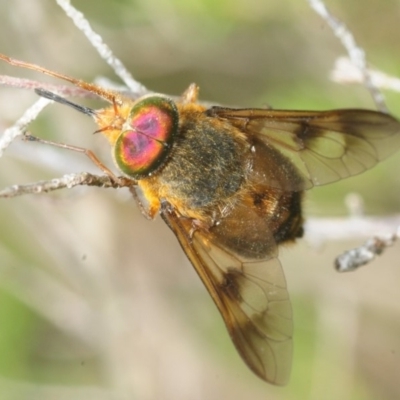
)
(96, 302)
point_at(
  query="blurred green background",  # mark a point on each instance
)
(98, 303)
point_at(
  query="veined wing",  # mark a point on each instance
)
(322, 146)
(247, 285)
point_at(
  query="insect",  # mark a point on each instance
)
(229, 183)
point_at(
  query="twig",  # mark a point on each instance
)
(355, 258)
(20, 126)
(345, 71)
(30, 84)
(67, 181)
(105, 52)
(318, 230)
(355, 52)
(355, 70)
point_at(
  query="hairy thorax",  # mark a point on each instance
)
(206, 170)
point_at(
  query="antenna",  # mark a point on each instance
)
(55, 97)
(108, 95)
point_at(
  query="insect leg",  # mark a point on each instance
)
(146, 212)
(87, 152)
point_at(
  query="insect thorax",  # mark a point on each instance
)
(207, 165)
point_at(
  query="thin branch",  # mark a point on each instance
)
(67, 181)
(355, 52)
(20, 126)
(355, 70)
(105, 52)
(355, 258)
(346, 72)
(319, 230)
(29, 84)
(316, 230)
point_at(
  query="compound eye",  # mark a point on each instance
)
(147, 138)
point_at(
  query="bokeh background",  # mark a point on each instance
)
(98, 303)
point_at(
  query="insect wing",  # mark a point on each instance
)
(323, 146)
(249, 292)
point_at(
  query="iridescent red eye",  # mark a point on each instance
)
(147, 139)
